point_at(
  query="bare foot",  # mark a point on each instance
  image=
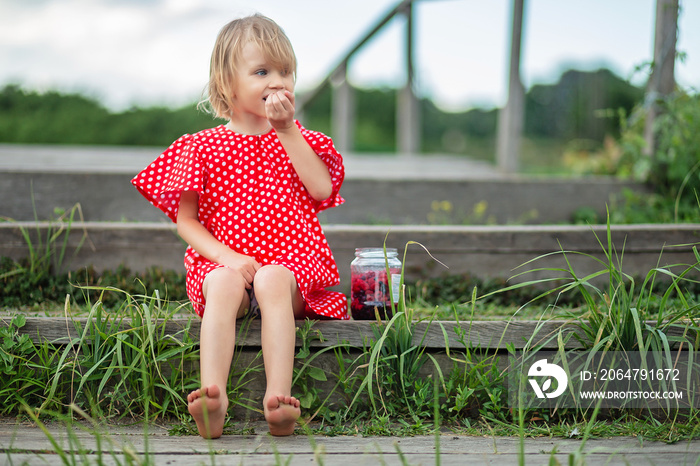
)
(281, 414)
(208, 409)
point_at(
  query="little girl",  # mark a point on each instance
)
(245, 197)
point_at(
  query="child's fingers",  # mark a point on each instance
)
(280, 102)
(279, 109)
(250, 271)
(290, 97)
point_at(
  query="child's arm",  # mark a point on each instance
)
(196, 235)
(312, 171)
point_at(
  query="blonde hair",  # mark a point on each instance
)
(232, 38)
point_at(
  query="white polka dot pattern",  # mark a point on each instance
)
(251, 199)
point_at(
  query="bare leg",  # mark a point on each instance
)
(226, 298)
(280, 301)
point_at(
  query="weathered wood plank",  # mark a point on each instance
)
(480, 251)
(387, 456)
(436, 334)
(36, 179)
(30, 444)
(494, 335)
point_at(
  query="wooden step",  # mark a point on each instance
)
(399, 190)
(517, 200)
(447, 343)
(481, 251)
(434, 335)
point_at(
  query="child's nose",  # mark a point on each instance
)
(277, 81)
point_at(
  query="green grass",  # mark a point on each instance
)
(470, 399)
(122, 365)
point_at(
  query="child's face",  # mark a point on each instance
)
(256, 78)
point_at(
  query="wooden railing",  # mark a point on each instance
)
(511, 117)
(407, 111)
(408, 120)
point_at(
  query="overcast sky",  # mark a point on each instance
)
(146, 52)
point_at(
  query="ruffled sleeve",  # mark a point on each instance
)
(324, 148)
(179, 168)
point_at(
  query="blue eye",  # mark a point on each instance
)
(261, 72)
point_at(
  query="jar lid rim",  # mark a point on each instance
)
(388, 250)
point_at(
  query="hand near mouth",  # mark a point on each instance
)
(279, 109)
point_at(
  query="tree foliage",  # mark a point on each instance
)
(573, 108)
(582, 105)
(55, 118)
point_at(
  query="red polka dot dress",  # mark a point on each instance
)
(251, 199)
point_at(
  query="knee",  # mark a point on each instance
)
(224, 283)
(273, 277)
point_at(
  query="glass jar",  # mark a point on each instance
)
(370, 284)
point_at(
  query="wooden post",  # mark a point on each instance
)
(342, 111)
(662, 81)
(408, 130)
(510, 118)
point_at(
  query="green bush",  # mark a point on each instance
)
(673, 170)
(675, 164)
(21, 288)
(458, 288)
